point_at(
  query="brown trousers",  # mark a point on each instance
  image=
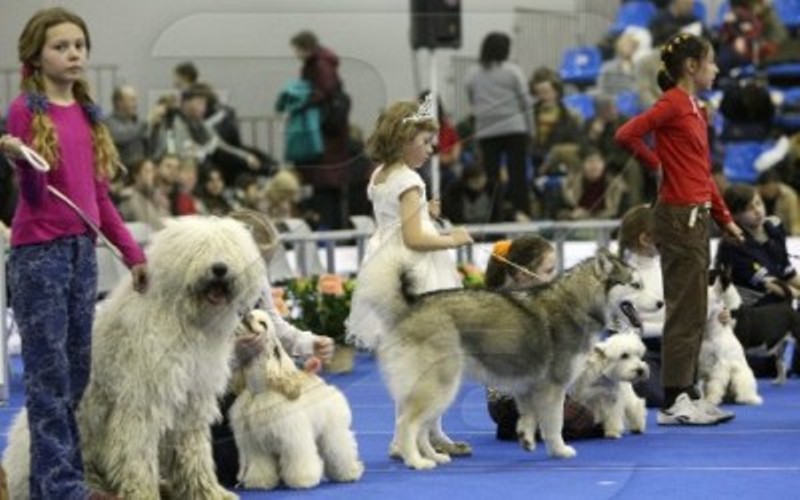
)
(682, 241)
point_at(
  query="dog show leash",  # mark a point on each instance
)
(38, 163)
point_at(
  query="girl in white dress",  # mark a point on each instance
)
(406, 240)
(406, 237)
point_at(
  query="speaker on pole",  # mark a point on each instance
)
(435, 24)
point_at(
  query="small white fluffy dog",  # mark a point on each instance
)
(159, 361)
(723, 368)
(289, 425)
(605, 384)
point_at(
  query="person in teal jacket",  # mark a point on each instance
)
(303, 134)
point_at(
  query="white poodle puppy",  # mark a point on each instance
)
(159, 361)
(723, 369)
(289, 425)
(604, 385)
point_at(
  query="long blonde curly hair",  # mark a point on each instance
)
(43, 133)
(392, 132)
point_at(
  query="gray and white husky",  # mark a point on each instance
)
(529, 343)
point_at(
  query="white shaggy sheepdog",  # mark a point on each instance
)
(159, 362)
(605, 384)
(288, 424)
(723, 369)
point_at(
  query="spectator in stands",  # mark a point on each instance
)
(501, 106)
(140, 201)
(750, 34)
(329, 177)
(592, 192)
(617, 75)
(472, 199)
(780, 200)
(183, 201)
(212, 197)
(187, 134)
(166, 180)
(678, 16)
(553, 123)
(600, 130)
(222, 118)
(282, 196)
(360, 170)
(250, 194)
(184, 75)
(129, 133)
(448, 148)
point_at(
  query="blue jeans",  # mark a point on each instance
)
(54, 286)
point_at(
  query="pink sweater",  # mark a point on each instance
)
(40, 216)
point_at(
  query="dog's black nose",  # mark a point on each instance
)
(659, 304)
(640, 372)
(219, 269)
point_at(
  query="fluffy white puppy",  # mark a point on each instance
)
(289, 425)
(723, 368)
(604, 385)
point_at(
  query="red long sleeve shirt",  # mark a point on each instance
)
(681, 149)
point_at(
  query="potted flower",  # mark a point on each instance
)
(321, 304)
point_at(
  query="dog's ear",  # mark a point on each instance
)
(600, 351)
(604, 261)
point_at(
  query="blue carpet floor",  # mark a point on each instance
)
(755, 456)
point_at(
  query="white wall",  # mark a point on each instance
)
(242, 46)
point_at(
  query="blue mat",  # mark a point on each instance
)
(755, 456)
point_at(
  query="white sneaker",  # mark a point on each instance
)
(714, 412)
(684, 412)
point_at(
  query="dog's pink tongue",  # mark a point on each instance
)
(216, 297)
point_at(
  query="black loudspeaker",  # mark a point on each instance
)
(435, 24)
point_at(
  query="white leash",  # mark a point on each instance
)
(40, 164)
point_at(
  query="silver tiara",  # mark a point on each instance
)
(424, 111)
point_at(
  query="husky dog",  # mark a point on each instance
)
(289, 425)
(723, 368)
(529, 343)
(605, 384)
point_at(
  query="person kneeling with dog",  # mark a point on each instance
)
(524, 262)
(298, 343)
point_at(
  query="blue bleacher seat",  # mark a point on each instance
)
(700, 11)
(788, 117)
(581, 65)
(633, 14)
(738, 163)
(789, 12)
(583, 104)
(628, 103)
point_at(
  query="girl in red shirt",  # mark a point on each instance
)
(688, 198)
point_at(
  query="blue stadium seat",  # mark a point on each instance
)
(581, 65)
(788, 117)
(633, 14)
(583, 104)
(738, 163)
(700, 11)
(789, 12)
(628, 103)
(724, 7)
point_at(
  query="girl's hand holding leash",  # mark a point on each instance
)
(435, 208)
(248, 347)
(460, 236)
(323, 347)
(11, 147)
(140, 278)
(733, 232)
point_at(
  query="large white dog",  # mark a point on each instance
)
(289, 425)
(722, 368)
(159, 361)
(604, 385)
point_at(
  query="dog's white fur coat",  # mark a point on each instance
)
(604, 386)
(723, 369)
(159, 362)
(290, 426)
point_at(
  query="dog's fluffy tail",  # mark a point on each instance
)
(16, 457)
(384, 291)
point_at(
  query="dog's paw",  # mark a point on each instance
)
(454, 449)
(394, 451)
(564, 451)
(527, 443)
(351, 474)
(754, 400)
(613, 435)
(223, 494)
(260, 483)
(302, 481)
(421, 464)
